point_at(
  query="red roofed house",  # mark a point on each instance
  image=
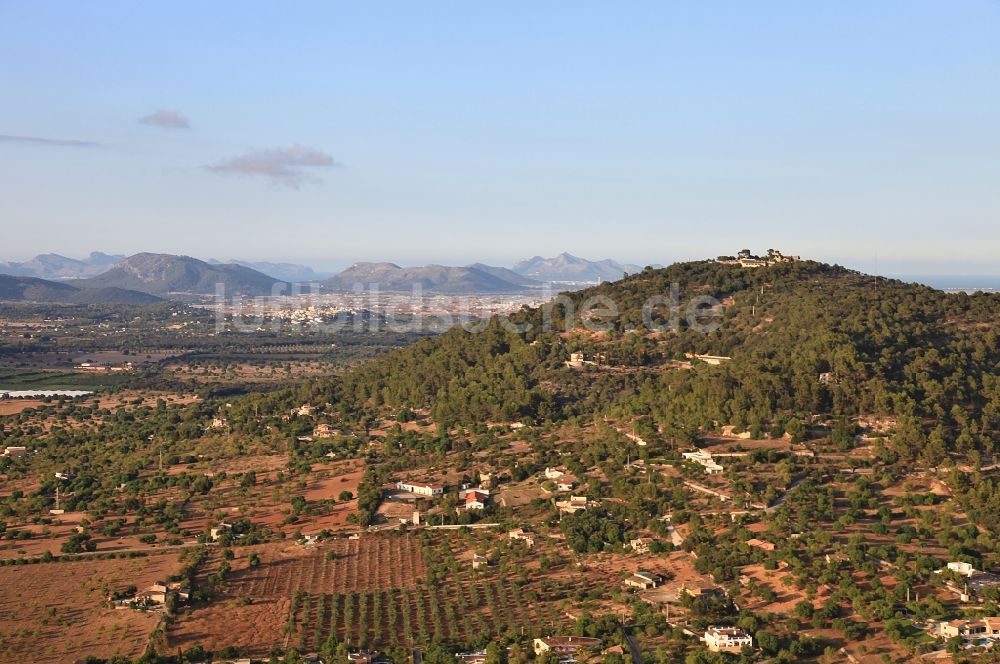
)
(475, 500)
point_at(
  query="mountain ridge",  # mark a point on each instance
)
(33, 289)
(569, 268)
(56, 266)
(160, 274)
(442, 279)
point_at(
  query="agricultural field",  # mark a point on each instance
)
(259, 371)
(377, 591)
(456, 611)
(58, 611)
(336, 567)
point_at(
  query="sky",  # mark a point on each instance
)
(863, 133)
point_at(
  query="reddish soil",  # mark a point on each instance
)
(15, 406)
(368, 564)
(56, 612)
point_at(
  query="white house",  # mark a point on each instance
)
(554, 473)
(421, 488)
(705, 460)
(983, 628)
(522, 535)
(714, 360)
(217, 531)
(965, 569)
(727, 639)
(566, 484)
(573, 505)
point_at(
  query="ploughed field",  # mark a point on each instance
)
(58, 611)
(369, 592)
(455, 611)
(252, 607)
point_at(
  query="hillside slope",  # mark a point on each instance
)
(32, 289)
(430, 278)
(807, 341)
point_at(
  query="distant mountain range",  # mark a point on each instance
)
(164, 274)
(290, 272)
(54, 266)
(430, 278)
(567, 268)
(528, 274)
(33, 289)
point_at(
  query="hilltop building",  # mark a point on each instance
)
(746, 259)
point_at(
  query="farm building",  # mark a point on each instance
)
(474, 500)
(216, 532)
(324, 430)
(475, 657)
(965, 569)
(701, 591)
(564, 646)
(983, 628)
(421, 488)
(705, 460)
(727, 639)
(643, 580)
(522, 535)
(574, 504)
(566, 483)
(640, 545)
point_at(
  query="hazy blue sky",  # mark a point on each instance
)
(459, 131)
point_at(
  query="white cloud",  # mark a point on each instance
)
(166, 120)
(39, 140)
(287, 167)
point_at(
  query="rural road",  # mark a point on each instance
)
(633, 646)
(781, 499)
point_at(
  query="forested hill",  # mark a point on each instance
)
(32, 289)
(806, 339)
